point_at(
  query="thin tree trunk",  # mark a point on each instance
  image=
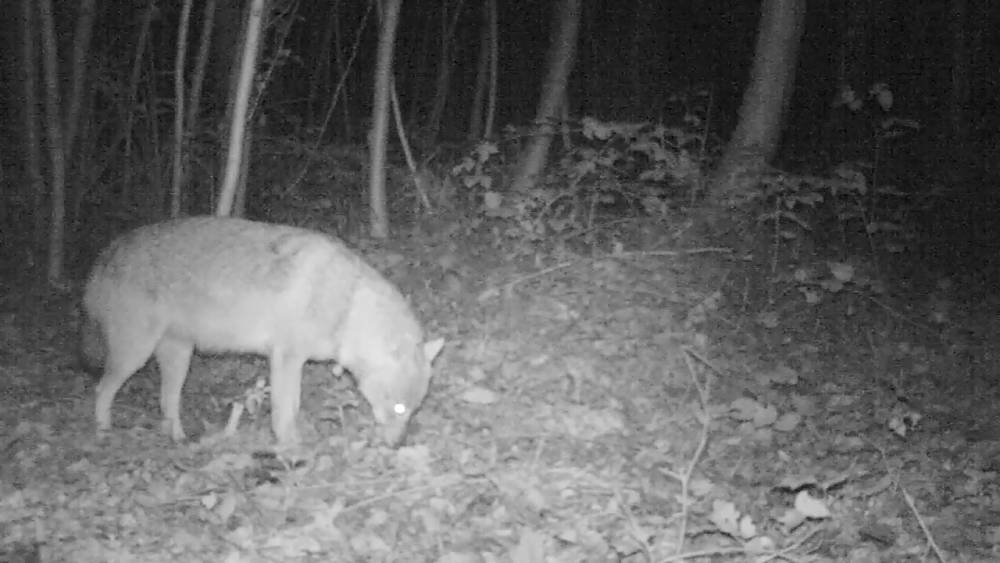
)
(179, 136)
(282, 25)
(377, 137)
(319, 79)
(491, 106)
(482, 76)
(32, 138)
(197, 88)
(238, 122)
(560, 63)
(57, 156)
(443, 82)
(344, 69)
(81, 48)
(240, 202)
(772, 79)
(419, 179)
(133, 88)
(152, 199)
(201, 63)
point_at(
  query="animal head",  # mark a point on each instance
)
(396, 386)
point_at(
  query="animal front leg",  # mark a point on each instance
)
(286, 393)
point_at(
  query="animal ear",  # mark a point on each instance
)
(432, 349)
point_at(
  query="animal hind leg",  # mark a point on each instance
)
(129, 346)
(174, 358)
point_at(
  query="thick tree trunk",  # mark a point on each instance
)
(560, 62)
(772, 78)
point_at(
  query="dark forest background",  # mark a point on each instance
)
(637, 60)
(633, 55)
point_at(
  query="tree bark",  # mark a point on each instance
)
(482, 76)
(443, 82)
(491, 106)
(180, 137)
(133, 90)
(560, 62)
(32, 136)
(377, 137)
(238, 123)
(772, 78)
(201, 63)
(57, 155)
(227, 38)
(81, 48)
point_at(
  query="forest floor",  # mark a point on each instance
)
(620, 396)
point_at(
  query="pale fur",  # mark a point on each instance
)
(230, 285)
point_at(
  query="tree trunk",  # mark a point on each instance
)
(81, 49)
(240, 105)
(491, 106)
(320, 77)
(133, 89)
(482, 76)
(201, 63)
(338, 95)
(443, 82)
(378, 136)
(484, 95)
(772, 77)
(180, 137)
(32, 136)
(560, 63)
(240, 198)
(227, 40)
(57, 227)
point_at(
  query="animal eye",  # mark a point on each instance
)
(399, 409)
